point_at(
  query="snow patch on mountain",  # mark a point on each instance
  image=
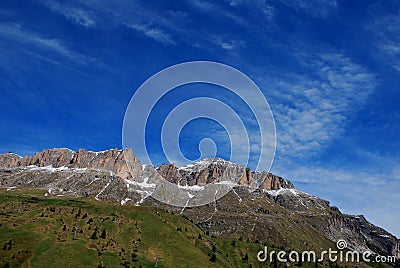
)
(282, 191)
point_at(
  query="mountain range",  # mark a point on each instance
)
(254, 206)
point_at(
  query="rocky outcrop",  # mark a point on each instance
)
(203, 172)
(216, 170)
(270, 181)
(210, 171)
(9, 160)
(247, 179)
(53, 157)
(396, 251)
(82, 158)
(360, 234)
(120, 162)
(170, 173)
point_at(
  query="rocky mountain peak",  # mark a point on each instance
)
(210, 170)
(113, 160)
(9, 160)
(201, 172)
(123, 163)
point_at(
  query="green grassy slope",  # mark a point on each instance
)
(72, 232)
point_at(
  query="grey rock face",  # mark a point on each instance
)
(361, 234)
(208, 171)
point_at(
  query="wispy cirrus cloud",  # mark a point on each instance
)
(76, 15)
(230, 45)
(315, 8)
(262, 6)
(386, 35)
(311, 111)
(165, 26)
(21, 35)
(155, 33)
(153, 24)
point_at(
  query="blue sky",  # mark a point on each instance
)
(330, 71)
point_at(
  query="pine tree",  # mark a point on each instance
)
(213, 258)
(103, 234)
(94, 235)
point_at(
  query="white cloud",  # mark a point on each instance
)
(154, 24)
(154, 33)
(160, 25)
(77, 15)
(315, 8)
(311, 111)
(258, 5)
(204, 5)
(386, 35)
(24, 36)
(230, 45)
